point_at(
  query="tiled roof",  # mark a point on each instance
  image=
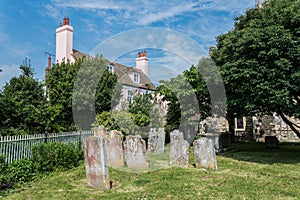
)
(123, 72)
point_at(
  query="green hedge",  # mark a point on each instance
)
(47, 157)
(56, 156)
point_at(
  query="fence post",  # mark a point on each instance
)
(46, 137)
(80, 139)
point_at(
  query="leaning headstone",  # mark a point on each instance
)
(156, 140)
(115, 149)
(135, 152)
(179, 149)
(204, 153)
(96, 164)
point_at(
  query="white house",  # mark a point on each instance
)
(133, 79)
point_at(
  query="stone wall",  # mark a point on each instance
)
(257, 128)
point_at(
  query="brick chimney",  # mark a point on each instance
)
(142, 62)
(64, 42)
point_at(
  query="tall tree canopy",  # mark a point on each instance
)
(21, 103)
(94, 89)
(260, 61)
(189, 94)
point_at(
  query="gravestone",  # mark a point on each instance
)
(100, 131)
(156, 140)
(113, 144)
(204, 153)
(179, 149)
(96, 164)
(115, 149)
(217, 129)
(271, 142)
(135, 152)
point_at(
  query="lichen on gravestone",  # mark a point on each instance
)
(135, 152)
(204, 154)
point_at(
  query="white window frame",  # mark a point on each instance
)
(129, 95)
(136, 77)
(238, 122)
(111, 68)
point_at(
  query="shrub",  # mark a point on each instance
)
(22, 170)
(2, 163)
(55, 156)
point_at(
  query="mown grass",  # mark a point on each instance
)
(250, 171)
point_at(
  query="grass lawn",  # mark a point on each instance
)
(250, 171)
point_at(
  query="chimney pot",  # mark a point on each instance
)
(49, 62)
(66, 21)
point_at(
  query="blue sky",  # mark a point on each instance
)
(27, 29)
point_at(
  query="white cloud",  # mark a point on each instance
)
(52, 11)
(92, 5)
(8, 71)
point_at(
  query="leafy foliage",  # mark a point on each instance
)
(55, 156)
(140, 116)
(259, 61)
(21, 102)
(79, 88)
(189, 95)
(22, 170)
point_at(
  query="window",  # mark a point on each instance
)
(240, 123)
(110, 68)
(129, 95)
(136, 77)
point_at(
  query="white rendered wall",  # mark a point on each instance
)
(64, 44)
(142, 64)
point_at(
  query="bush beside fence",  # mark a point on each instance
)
(20, 146)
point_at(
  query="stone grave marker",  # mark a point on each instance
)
(135, 152)
(204, 153)
(96, 164)
(115, 151)
(156, 140)
(271, 142)
(179, 149)
(113, 144)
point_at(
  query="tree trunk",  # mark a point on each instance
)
(288, 122)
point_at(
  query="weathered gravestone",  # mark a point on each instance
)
(179, 149)
(271, 142)
(113, 144)
(96, 163)
(115, 151)
(135, 152)
(204, 153)
(217, 129)
(156, 140)
(100, 131)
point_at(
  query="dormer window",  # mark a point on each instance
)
(110, 68)
(136, 77)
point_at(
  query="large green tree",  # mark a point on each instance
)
(80, 88)
(189, 94)
(260, 61)
(21, 103)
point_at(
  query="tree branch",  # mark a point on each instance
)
(288, 122)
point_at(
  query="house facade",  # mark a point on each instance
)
(133, 79)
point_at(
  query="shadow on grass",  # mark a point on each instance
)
(287, 153)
